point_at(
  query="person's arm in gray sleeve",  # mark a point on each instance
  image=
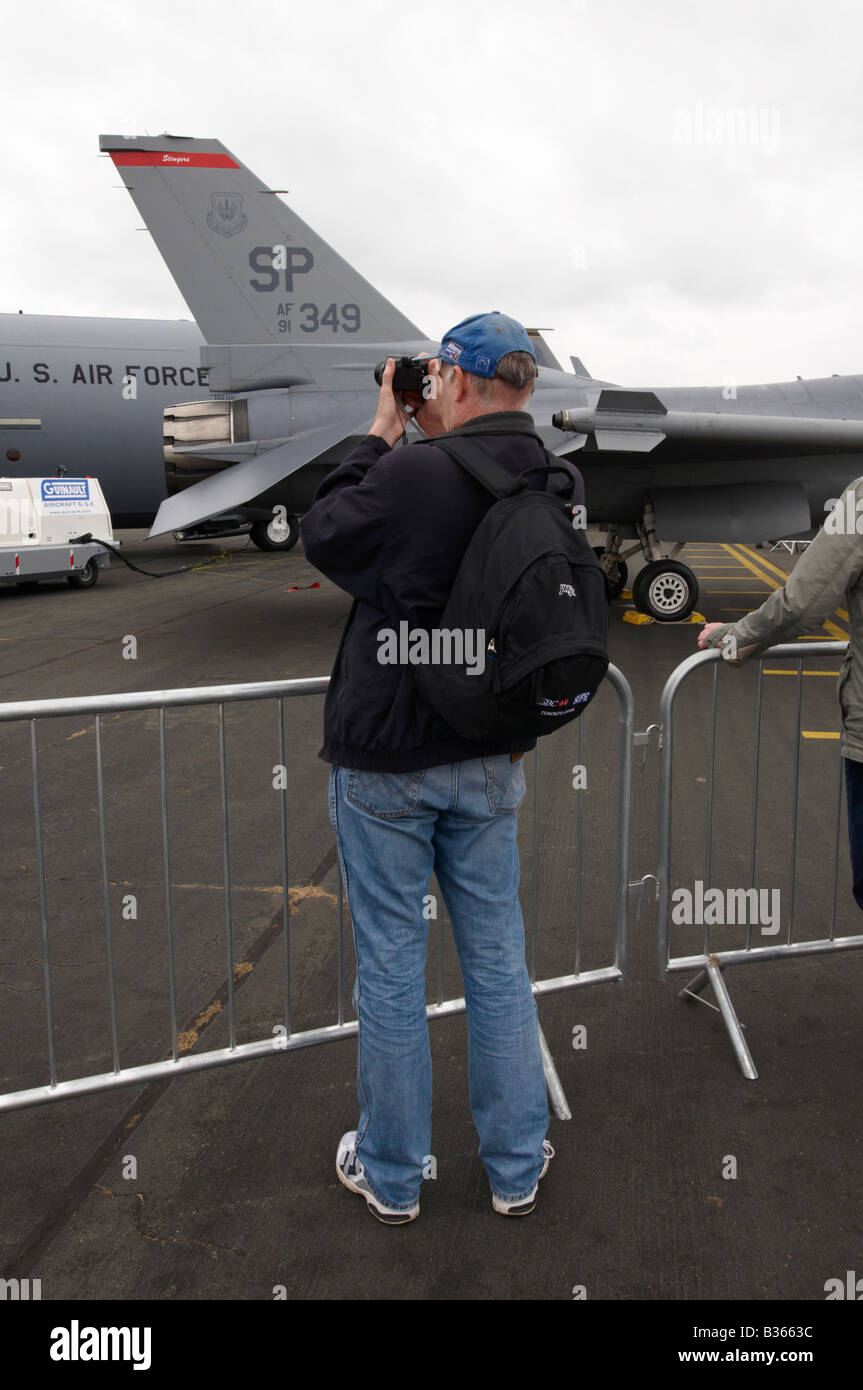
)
(829, 566)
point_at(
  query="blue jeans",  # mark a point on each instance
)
(393, 830)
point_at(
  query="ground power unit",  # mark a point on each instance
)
(40, 519)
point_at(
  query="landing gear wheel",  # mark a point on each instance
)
(615, 571)
(86, 578)
(276, 534)
(666, 590)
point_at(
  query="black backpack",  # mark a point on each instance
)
(530, 582)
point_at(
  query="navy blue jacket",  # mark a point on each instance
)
(390, 526)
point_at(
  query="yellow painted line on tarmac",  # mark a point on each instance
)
(768, 565)
(783, 575)
(106, 719)
(759, 574)
(786, 672)
(814, 733)
(740, 555)
(835, 632)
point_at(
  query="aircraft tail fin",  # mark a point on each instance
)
(544, 355)
(250, 270)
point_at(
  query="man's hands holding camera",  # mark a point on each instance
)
(394, 410)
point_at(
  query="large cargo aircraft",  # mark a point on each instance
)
(63, 405)
(234, 422)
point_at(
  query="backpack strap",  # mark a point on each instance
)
(474, 460)
(553, 465)
(492, 475)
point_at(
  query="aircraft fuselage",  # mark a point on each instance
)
(98, 388)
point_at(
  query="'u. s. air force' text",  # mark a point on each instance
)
(103, 374)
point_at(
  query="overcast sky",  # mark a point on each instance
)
(674, 188)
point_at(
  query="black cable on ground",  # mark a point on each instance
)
(151, 574)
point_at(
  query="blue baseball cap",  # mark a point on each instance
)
(477, 344)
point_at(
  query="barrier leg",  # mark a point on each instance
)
(695, 985)
(552, 1081)
(731, 1021)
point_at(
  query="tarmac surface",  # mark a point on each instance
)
(676, 1179)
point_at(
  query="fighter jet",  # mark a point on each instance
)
(292, 334)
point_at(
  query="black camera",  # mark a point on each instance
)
(410, 374)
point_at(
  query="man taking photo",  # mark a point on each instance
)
(409, 796)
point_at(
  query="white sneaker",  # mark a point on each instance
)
(351, 1172)
(525, 1205)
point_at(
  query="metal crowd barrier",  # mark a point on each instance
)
(712, 960)
(181, 1061)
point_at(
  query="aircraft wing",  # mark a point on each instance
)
(637, 422)
(234, 487)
